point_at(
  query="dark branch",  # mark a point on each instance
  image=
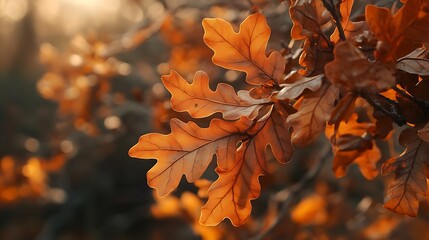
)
(329, 4)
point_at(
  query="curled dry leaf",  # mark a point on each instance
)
(200, 101)
(411, 174)
(300, 83)
(188, 150)
(308, 17)
(360, 72)
(404, 31)
(245, 50)
(315, 109)
(417, 62)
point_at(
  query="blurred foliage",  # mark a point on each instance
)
(80, 82)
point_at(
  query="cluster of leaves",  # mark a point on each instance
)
(28, 180)
(344, 81)
(78, 79)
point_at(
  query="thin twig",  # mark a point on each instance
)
(294, 190)
(336, 14)
(385, 105)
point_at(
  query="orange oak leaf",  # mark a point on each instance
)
(417, 62)
(200, 101)
(411, 173)
(350, 28)
(188, 150)
(230, 194)
(360, 72)
(308, 17)
(354, 144)
(245, 51)
(311, 117)
(298, 85)
(404, 31)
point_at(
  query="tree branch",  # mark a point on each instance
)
(385, 105)
(336, 14)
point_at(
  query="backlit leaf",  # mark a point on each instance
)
(188, 150)
(200, 101)
(404, 31)
(230, 194)
(245, 50)
(350, 28)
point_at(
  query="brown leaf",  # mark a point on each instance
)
(300, 83)
(245, 50)
(404, 31)
(410, 179)
(188, 150)
(344, 109)
(308, 17)
(200, 101)
(311, 117)
(359, 73)
(416, 62)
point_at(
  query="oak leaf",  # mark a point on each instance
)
(353, 143)
(360, 72)
(245, 51)
(351, 29)
(404, 31)
(188, 150)
(311, 117)
(200, 101)
(411, 173)
(230, 194)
